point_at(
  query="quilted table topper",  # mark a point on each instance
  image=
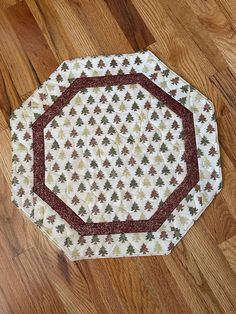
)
(115, 156)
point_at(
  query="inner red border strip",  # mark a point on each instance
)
(130, 226)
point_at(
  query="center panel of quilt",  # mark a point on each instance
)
(150, 99)
(114, 153)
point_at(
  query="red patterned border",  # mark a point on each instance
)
(163, 212)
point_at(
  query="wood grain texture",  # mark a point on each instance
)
(197, 39)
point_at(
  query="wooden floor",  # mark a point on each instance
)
(197, 39)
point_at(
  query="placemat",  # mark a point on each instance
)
(115, 156)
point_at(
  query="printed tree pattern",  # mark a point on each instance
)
(123, 157)
(114, 153)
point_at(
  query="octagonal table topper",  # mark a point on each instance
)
(115, 156)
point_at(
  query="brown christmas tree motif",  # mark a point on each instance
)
(110, 164)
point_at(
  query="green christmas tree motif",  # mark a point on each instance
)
(130, 139)
(135, 106)
(135, 207)
(112, 152)
(88, 65)
(68, 166)
(159, 182)
(120, 72)
(14, 137)
(107, 186)
(139, 172)
(87, 175)
(79, 122)
(171, 158)
(105, 141)
(165, 170)
(111, 130)
(204, 141)
(145, 161)
(140, 95)
(39, 223)
(15, 181)
(21, 169)
(95, 239)
(115, 98)
(163, 148)
(114, 197)
(64, 67)
(80, 143)
(138, 61)
(102, 251)
(129, 117)
(56, 189)
(55, 145)
(183, 100)
(104, 120)
(193, 211)
(15, 159)
(133, 184)
(82, 211)
(113, 174)
(150, 236)
(113, 63)
(184, 88)
(130, 250)
(62, 178)
(154, 116)
(122, 238)
(85, 111)
(156, 137)
(90, 100)
(119, 162)
(93, 164)
(177, 233)
(68, 242)
(81, 187)
(108, 89)
(60, 228)
(166, 73)
(87, 153)
(108, 209)
(110, 109)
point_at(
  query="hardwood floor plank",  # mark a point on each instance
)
(220, 281)
(228, 248)
(217, 26)
(137, 33)
(5, 155)
(32, 40)
(33, 274)
(15, 58)
(102, 26)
